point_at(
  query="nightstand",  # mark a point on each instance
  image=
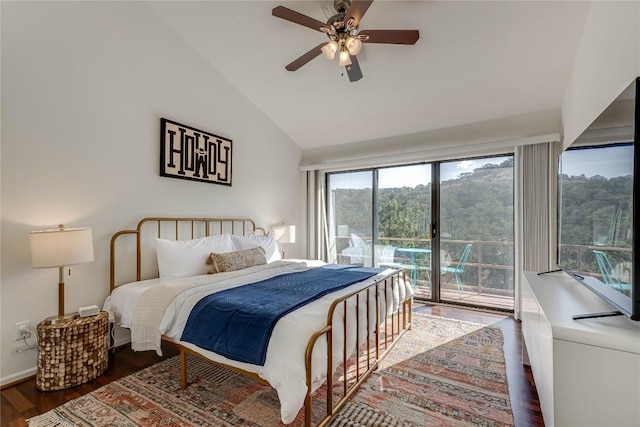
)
(72, 353)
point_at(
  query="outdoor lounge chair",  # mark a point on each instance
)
(459, 268)
(609, 277)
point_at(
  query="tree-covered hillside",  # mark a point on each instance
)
(474, 206)
(595, 211)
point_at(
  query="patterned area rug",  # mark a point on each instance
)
(442, 373)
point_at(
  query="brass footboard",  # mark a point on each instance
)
(391, 328)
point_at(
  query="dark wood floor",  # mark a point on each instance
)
(23, 400)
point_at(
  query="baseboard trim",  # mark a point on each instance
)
(11, 380)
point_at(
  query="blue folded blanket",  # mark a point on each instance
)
(237, 323)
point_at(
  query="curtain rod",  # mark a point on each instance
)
(440, 153)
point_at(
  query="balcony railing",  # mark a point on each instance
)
(489, 275)
(580, 258)
(487, 279)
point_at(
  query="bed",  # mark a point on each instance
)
(336, 339)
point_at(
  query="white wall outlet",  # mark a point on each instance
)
(17, 333)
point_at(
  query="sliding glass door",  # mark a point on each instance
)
(381, 217)
(396, 217)
(476, 232)
(350, 217)
(403, 221)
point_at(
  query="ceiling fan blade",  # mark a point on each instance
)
(316, 51)
(297, 18)
(356, 11)
(391, 36)
(353, 70)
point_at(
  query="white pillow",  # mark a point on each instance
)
(266, 241)
(357, 242)
(183, 258)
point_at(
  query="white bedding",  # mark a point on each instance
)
(284, 367)
(121, 304)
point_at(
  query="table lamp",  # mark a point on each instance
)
(59, 248)
(285, 234)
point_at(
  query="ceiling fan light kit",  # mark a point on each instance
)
(345, 36)
(345, 58)
(329, 50)
(353, 45)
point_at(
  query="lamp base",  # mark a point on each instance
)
(56, 320)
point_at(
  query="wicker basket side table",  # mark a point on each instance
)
(72, 353)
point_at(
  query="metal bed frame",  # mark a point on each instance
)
(371, 349)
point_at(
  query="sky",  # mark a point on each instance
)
(409, 176)
(609, 162)
(618, 162)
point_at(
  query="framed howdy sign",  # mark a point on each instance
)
(189, 153)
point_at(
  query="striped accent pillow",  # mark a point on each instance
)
(232, 261)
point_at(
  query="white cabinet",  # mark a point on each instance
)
(587, 372)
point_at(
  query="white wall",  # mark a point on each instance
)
(482, 138)
(607, 61)
(84, 86)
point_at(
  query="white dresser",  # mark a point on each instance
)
(587, 372)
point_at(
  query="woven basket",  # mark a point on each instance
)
(72, 353)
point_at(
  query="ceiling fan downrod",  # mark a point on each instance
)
(341, 6)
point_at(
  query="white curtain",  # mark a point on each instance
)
(316, 215)
(536, 200)
(534, 226)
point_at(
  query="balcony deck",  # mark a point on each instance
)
(449, 293)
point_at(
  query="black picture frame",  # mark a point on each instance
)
(193, 154)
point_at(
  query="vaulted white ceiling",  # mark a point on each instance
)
(475, 61)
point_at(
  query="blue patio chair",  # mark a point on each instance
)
(413, 260)
(459, 268)
(609, 277)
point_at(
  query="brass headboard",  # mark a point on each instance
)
(176, 229)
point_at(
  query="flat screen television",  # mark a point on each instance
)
(599, 206)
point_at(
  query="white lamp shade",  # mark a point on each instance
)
(344, 59)
(285, 233)
(329, 49)
(58, 248)
(353, 45)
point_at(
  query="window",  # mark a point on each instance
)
(383, 217)
(595, 215)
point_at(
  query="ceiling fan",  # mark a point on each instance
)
(345, 36)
